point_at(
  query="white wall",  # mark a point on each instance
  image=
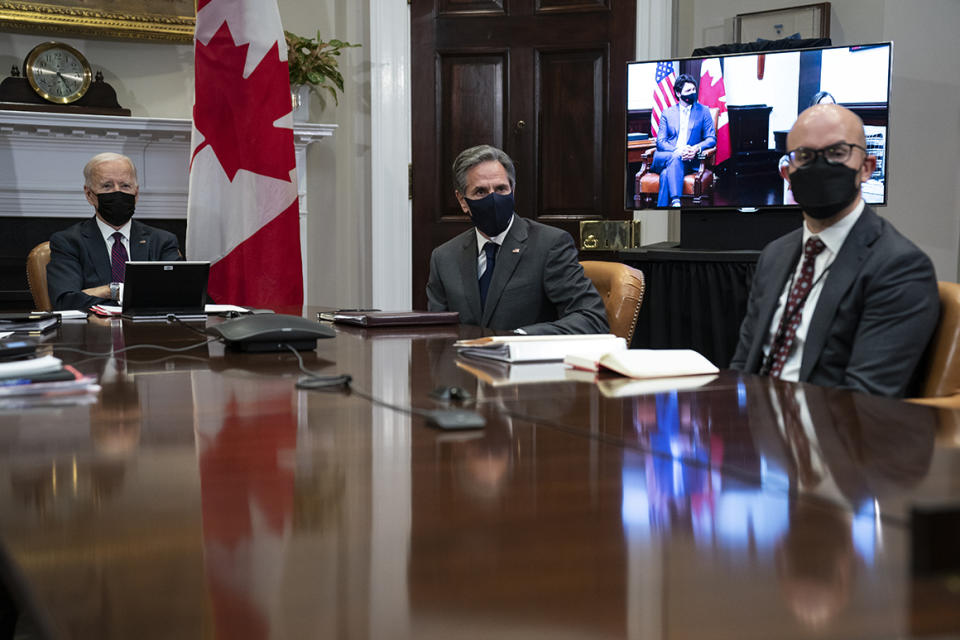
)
(924, 156)
(156, 80)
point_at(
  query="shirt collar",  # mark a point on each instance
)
(107, 231)
(497, 239)
(836, 234)
(685, 107)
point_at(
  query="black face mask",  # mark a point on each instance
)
(491, 214)
(824, 189)
(116, 207)
(689, 98)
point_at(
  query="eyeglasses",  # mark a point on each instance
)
(837, 153)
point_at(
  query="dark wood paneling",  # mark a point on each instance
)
(470, 7)
(557, 6)
(570, 102)
(471, 94)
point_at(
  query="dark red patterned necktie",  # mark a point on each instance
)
(793, 312)
(118, 258)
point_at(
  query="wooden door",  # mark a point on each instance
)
(544, 80)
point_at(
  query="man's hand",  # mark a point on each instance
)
(98, 292)
(689, 152)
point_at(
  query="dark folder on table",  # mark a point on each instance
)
(29, 322)
(391, 318)
(155, 290)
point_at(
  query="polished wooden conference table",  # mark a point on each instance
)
(200, 494)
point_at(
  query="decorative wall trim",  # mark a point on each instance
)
(390, 224)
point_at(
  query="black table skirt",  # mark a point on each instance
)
(693, 300)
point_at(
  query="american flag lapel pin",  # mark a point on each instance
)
(517, 250)
(143, 242)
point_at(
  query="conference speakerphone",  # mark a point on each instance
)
(271, 332)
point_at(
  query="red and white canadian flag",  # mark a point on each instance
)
(714, 95)
(242, 214)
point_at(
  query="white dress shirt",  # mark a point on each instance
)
(108, 232)
(833, 238)
(684, 134)
(482, 240)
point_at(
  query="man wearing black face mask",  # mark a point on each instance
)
(87, 260)
(846, 301)
(685, 130)
(509, 273)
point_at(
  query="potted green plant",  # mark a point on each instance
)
(314, 67)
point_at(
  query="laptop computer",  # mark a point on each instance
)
(155, 290)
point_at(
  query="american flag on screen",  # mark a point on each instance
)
(663, 95)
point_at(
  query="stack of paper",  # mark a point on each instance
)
(498, 374)
(541, 348)
(46, 376)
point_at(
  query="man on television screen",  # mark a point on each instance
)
(88, 260)
(684, 131)
(845, 301)
(509, 273)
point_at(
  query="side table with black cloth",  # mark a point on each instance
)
(694, 299)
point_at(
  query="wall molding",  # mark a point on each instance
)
(391, 235)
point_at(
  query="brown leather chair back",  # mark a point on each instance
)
(622, 289)
(37, 276)
(943, 365)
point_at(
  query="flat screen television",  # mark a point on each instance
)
(754, 99)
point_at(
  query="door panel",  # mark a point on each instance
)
(546, 6)
(470, 7)
(570, 91)
(472, 94)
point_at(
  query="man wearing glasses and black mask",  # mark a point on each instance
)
(846, 301)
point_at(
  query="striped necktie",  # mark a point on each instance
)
(118, 258)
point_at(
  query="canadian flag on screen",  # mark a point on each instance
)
(242, 214)
(714, 95)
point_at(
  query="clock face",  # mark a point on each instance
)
(58, 72)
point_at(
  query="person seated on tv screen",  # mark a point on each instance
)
(509, 273)
(87, 260)
(845, 301)
(684, 131)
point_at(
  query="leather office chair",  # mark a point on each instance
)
(622, 289)
(37, 276)
(941, 380)
(698, 185)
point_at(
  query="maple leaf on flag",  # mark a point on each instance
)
(236, 115)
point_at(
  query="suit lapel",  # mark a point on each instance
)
(97, 250)
(468, 273)
(139, 242)
(780, 273)
(842, 273)
(511, 251)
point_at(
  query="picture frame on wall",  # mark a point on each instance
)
(156, 20)
(804, 21)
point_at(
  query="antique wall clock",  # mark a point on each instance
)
(58, 72)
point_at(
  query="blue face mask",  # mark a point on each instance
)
(491, 214)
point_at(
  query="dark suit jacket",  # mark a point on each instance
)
(538, 284)
(700, 128)
(876, 313)
(79, 260)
